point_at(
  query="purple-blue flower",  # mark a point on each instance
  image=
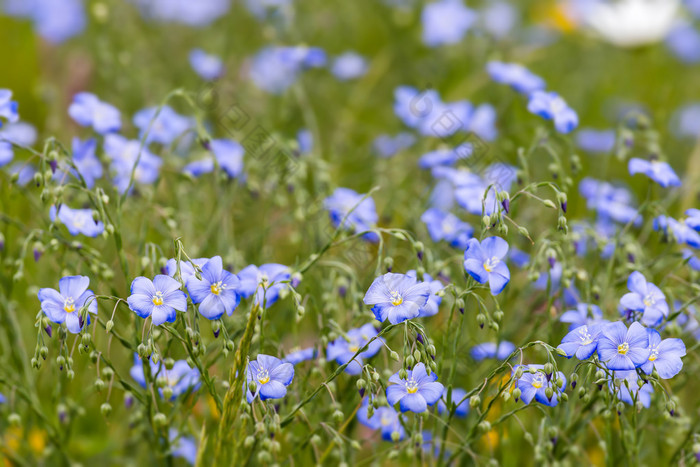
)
(533, 384)
(229, 156)
(693, 219)
(609, 201)
(85, 160)
(77, 221)
(64, 304)
(387, 145)
(621, 348)
(446, 226)
(585, 313)
(645, 297)
(551, 106)
(216, 293)
(458, 397)
(642, 394)
(596, 141)
(125, 154)
(664, 355)
(159, 298)
(356, 212)
(500, 351)
(681, 232)
(88, 110)
(445, 156)
(432, 306)
(516, 76)
(342, 350)
(396, 297)
(660, 172)
(684, 41)
(265, 282)
(186, 268)
(299, 356)
(274, 69)
(416, 392)
(54, 21)
(581, 341)
(485, 262)
(161, 125)
(183, 446)
(385, 419)
(8, 107)
(349, 65)
(270, 376)
(181, 378)
(209, 67)
(446, 22)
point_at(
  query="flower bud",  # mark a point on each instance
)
(474, 401)
(517, 393)
(106, 409)
(159, 419)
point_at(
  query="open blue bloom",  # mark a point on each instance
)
(665, 355)
(684, 42)
(85, 160)
(498, 18)
(186, 268)
(396, 297)
(446, 226)
(305, 141)
(621, 348)
(631, 391)
(446, 22)
(199, 167)
(458, 397)
(660, 172)
(6, 153)
(432, 306)
(265, 282)
(516, 76)
(300, 356)
(125, 154)
(275, 69)
(197, 14)
(63, 305)
(518, 257)
(54, 21)
(445, 156)
(184, 447)
(585, 313)
(551, 106)
(581, 341)
(693, 219)
(161, 126)
(77, 221)
(645, 297)
(159, 298)
(342, 350)
(680, 230)
(216, 293)
(208, 67)
(385, 419)
(181, 378)
(484, 262)
(8, 107)
(19, 133)
(500, 351)
(229, 156)
(270, 376)
(88, 110)
(534, 382)
(355, 213)
(387, 146)
(596, 141)
(693, 261)
(416, 392)
(609, 201)
(349, 65)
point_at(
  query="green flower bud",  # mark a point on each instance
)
(106, 409)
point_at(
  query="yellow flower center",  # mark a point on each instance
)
(353, 348)
(396, 299)
(652, 357)
(623, 348)
(69, 305)
(217, 288)
(490, 264)
(158, 298)
(411, 386)
(263, 377)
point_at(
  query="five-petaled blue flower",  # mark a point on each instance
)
(181, 378)
(342, 350)
(631, 391)
(88, 110)
(84, 158)
(63, 305)
(8, 107)
(356, 212)
(77, 221)
(216, 293)
(660, 172)
(385, 419)
(621, 348)
(161, 125)
(159, 299)
(183, 446)
(446, 22)
(585, 313)
(300, 356)
(265, 282)
(349, 65)
(551, 106)
(680, 230)
(208, 67)
(458, 397)
(484, 262)
(446, 226)
(665, 355)
(396, 297)
(416, 392)
(270, 377)
(581, 341)
(645, 297)
(516, 76)
(432, 306)
(533, 384)
(500, 351)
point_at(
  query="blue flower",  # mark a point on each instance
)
(518, 257)
(305, 140)
(8, 107)
(610, 202)
(693, 261)
(159, 299)
(499, 18)
(585, 313)
(199, 167)
(19, 133)
(665, 355)
(550, 106)
(446, 226)
(216, 293)
(85, 160)
(161, 126)
(300, 356)
(387, 146)
(6, 153)
(229, 156)
(486, 350)
(446, 22)
(679, 230)
(270, 376)
(265, 282)
(186, 268)
(342, 350)
(621, 348)
(693, 219)
(660, 172)
(432, 306)
(54, 21)
(445, 156)
(533, 384)
(516, 76)
(181, 378)
(88, 110)
(385, 419)
(396, 297)
(457, 395)
(484, 262)
(596, 141)
(642, 394)
(684, 41)
(208, 67)
(183, 446)
(349, 65)
(64, 304)
(274, 69)
(77, 221)
(645, 297)
(124, 155)
(196, 14)
(581, 341)
(359, 214)
(416, 392)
